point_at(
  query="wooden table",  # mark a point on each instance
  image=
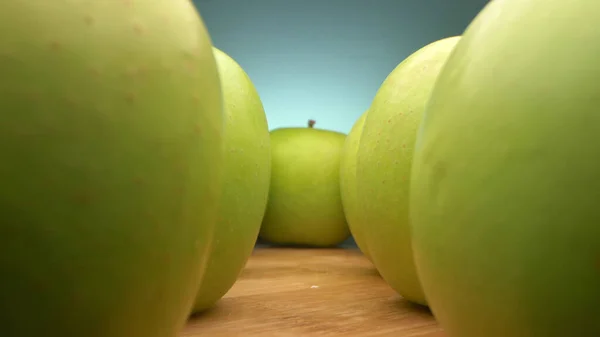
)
(312, 292)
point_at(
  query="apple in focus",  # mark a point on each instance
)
(305, 206)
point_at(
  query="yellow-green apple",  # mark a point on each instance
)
(246, 176)
(348, 185)
(506, 223)
(305, 206)
(384, 161)
(111, 147)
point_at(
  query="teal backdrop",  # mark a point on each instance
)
(325, 59)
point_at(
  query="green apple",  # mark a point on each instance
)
(384, 160)
(506, 223)
(305, 206)
(348, 185)
(111, 147)
(247, 174)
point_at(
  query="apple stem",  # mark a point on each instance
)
(311, 123)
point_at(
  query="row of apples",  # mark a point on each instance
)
(138, 170)
(475, 192)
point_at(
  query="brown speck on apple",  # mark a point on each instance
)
(190, 66)
(95, 72)
(71, 101)
(82, 198)
(143, 70)
(33, 96)
(130, 97)
(89, 20)
(138, 28)
(131, 71)
(311, 123)
(55, 45)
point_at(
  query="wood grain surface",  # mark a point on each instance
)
(285, 292)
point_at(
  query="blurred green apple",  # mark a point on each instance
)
(111, 147)
(505, 190)
(247, 173)
(305, 206)
(384, 161)
(348, 186)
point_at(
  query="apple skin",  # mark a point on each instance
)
(348, 185)
(111, 151)
(247, 173)
(505, 183)
(384, 161)
(305, 206)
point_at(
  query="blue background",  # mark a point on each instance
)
(325, 59)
